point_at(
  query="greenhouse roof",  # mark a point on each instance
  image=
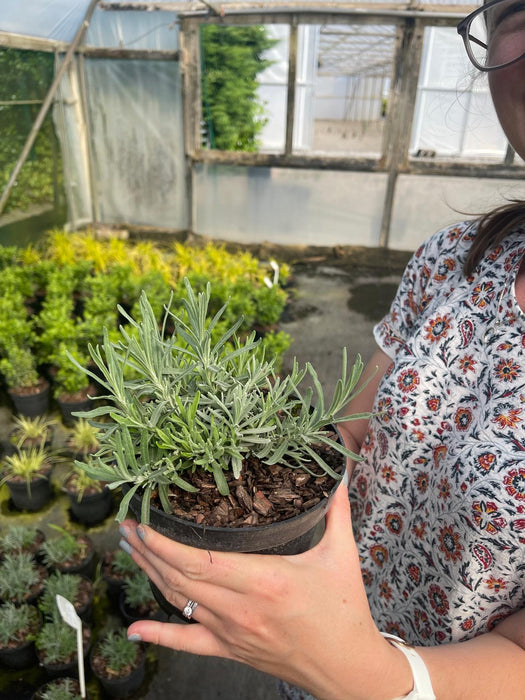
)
(59, 20)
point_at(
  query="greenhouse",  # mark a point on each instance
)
(349, 97)
(202, 202)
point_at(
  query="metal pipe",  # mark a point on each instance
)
(47, 103)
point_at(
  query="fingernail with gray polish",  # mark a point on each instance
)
(134, 637)
(125, 546)
(124, 531)
(141, 533)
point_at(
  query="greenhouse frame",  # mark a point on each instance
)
(370, 109)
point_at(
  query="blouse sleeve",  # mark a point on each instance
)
(417, 288)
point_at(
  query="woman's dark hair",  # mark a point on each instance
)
(492, 229)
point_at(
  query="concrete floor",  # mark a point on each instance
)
(332, 305)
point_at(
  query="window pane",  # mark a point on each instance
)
(244, 86)
(343, 81)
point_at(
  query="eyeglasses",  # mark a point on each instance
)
(494, 35)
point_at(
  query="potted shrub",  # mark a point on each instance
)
(56, 648)
(22, 580)
(71, 386)
(69, 553)
(209, 444)
(22, 538)
(117, 567)
(59, 689)
(27, 389)
(19, 625)
(137, 601)
(18, 364)
(28, 477)
(90, 499)
(118, 664)
(75, 588)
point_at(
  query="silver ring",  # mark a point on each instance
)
(189, 609)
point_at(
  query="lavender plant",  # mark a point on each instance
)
(187, 401)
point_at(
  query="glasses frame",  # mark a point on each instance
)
(464, 31)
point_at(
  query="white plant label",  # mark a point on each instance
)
(70, 617)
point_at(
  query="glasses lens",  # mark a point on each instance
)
(501, 28)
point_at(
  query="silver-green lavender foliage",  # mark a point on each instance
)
(18, 574)
(18, 537)
(57, 641)
(189, 401)
(66, 585)
(137, 590)
(117, 651)
(60, 689)
(14, 619)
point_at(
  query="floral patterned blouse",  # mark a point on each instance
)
(439, 500)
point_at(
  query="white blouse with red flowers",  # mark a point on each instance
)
(439, 499)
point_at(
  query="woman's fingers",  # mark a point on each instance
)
(183, 565)
(194, 639)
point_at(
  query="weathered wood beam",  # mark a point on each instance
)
(271, 160)
(414, 166)
(130, 54)
(9, 40)
(290, 92)
(290, 6)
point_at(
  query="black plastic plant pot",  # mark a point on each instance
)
(31, 405)
(286, 537)
(33, 499)
(67, 408)
(122, 687)
(92, 508)
(84, 567)
(18, 657)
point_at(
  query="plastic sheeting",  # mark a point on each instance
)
(136, 124)
(454, 115)
(60, 20)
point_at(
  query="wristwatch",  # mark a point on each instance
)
(422, 684)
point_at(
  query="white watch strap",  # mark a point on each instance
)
(422, 684)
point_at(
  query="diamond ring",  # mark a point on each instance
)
(189, 609)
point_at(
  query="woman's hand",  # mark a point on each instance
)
(303, 618)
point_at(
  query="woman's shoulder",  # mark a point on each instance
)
(451, 242)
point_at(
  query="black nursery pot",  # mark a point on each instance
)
(122, 687)
(40, 493)
(292, 536)
(67, 408)
(31, 405)
(21, 656)
(92, 508)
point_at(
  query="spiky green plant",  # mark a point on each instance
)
(26, 464)
(57, 642)
(60, 689)
(18, 538)
(83, 437)
(64, 548)
(120, 655)
(32, 431)
(66, 585)
(18, 575)
(199, 403)
(123, 564)
(18, 623)
(137, 591)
